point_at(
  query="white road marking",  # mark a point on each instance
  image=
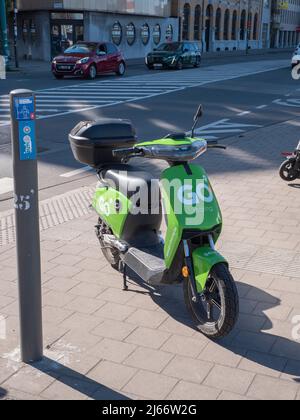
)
(295, 103)
(77, 172)
(6, 185)
(261, 107)
(105, 93)
(241, 114)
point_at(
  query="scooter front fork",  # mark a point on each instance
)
(189, 264)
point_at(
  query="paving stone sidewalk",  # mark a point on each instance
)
(103, 343)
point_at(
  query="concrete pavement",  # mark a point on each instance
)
(103, 343)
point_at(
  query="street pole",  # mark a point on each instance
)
(4, 31)
(16, 33)
(22, 109)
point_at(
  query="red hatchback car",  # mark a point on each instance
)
(87, 59)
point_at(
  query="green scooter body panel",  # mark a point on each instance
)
(190, 204)
(113, 208)
(204, 259)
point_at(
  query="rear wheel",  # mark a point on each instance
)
(287, 172)
(217, 309)
(121, 69)
(112, 255)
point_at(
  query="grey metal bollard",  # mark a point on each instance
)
(22, 108)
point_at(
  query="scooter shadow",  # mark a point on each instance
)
(296, 186)
(266, 351)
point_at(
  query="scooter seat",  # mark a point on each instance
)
(129, 180)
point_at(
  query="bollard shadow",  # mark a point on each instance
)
(265, 350)
(77, 381)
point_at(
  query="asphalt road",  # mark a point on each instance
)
(265, 95)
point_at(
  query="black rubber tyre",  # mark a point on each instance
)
(150, 66)
(121, 69)
(228, 301)
(58, 76)
(198, 63)
(179, 65)
(112, 255)
(285, 171)
(92, 74)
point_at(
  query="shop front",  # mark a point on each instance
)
(66, 29)
(135, 30)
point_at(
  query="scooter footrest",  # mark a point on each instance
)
(148, 263)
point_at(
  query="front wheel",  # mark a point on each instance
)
(92, 72)
(179, 65)
(217, 309)
(287, 171)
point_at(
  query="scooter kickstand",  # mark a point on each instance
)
(125, 285)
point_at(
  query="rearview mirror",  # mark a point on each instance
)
(199, 113)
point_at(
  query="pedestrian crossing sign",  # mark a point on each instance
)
(24, 108)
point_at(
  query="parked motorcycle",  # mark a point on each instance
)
(129, 201)
(290, 169)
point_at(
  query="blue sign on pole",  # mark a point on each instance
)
(24, 108)
(27, 140)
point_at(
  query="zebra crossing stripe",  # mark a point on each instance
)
(107, 93)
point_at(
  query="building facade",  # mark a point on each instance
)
(266, 24)
(221, 25)
(285, 30)
(48, 27)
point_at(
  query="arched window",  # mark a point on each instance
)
(234, 24)
(186, 22)
(255, 27)
(197, 24)
(243, 26)
(250, 26)
(218, 24)
(226, 25)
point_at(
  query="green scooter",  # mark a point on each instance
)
(131, 204)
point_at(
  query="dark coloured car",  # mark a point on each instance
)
(88, 59)
(174, 55)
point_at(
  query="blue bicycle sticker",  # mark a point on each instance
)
(24, 108)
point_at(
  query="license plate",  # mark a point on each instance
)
(158, 66)
(65, 67)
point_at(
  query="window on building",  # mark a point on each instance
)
(130, 34)
(234, 25)
(243, 25)
(218, 24)
(145, 33)
(250, 26)
(157, 34)
(226, 24)
(255, 27)
(186, 22)
(197, 24)
(117, 33)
